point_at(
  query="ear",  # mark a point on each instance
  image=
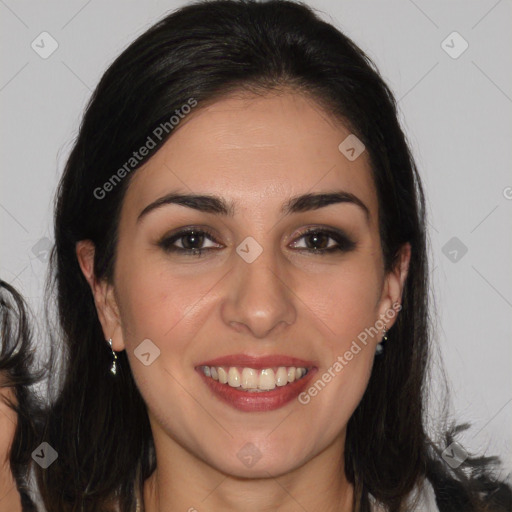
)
(103, 293)
(393, 287)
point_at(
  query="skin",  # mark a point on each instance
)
(9, 496)
(256, 151)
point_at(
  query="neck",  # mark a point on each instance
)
(183, 482)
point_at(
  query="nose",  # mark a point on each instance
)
(259, 300)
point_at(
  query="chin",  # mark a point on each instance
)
(249, 461)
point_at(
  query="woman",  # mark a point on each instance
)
(18, 406)
(241, 275)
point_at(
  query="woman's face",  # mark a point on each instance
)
(258, 297)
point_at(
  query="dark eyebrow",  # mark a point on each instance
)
(203, 203)
(315, 201)
(219, 206)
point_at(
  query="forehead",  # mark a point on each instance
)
(252, 150)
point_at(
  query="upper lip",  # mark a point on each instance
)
(258, 362)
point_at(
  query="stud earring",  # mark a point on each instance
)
(113, 368)
(380, 346)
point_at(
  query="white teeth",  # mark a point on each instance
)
(281, 376)
(223, 376)
(249, 378)
(234, 378)
(267, 379)
(254, 380)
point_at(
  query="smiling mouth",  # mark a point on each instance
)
(252, 380)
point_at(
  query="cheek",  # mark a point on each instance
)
(346, 303)
(345, 298)
(170, 310)
(161, 304)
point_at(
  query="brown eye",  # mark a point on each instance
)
(191, 241)
(320, 241)
(317, 240)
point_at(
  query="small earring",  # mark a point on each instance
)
(113, 368)
(380, 346)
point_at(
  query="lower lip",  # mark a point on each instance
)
(258, 401)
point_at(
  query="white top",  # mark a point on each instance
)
(422, 499)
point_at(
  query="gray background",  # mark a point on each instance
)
(455, 111)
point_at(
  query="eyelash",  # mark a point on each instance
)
(344, 244)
